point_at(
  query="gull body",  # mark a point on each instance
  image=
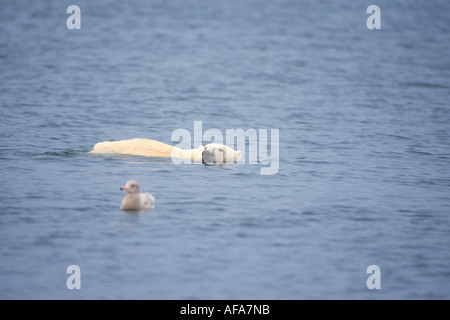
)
(135, 200)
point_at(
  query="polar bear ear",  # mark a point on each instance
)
(238, 155)
(201, 148)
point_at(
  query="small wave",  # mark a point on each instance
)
(420, 84)
(423, 153)
(395, 136)
(62, 153)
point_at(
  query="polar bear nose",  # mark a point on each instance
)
(207, 157)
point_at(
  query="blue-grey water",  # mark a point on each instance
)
(364, 175)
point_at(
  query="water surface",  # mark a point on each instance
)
(364, 149)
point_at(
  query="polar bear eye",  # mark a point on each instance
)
(221, 150)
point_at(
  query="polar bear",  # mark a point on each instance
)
(215, 153)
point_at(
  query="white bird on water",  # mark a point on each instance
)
(135, 200)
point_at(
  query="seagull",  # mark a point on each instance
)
(135, 200)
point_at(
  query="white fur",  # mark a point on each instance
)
(221, 153)
(151, 148)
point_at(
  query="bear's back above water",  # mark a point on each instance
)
(153, 148)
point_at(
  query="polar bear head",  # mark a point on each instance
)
(219, 153)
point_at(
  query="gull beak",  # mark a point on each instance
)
(123, 188)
